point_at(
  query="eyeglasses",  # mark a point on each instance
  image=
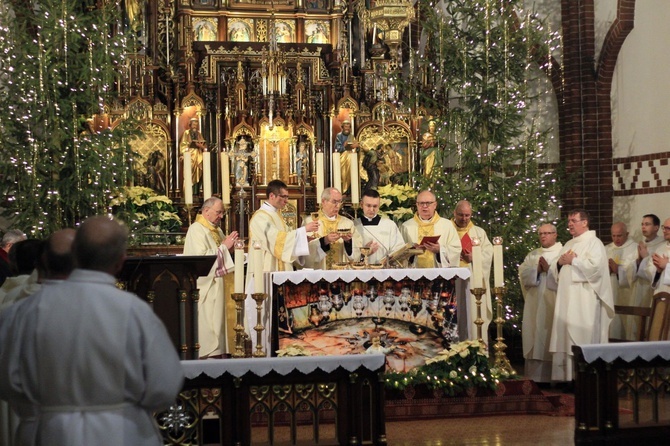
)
(285, 197)
(337, 202)
(666, 228)
(572, 220)
(424, 204)
(547, 233)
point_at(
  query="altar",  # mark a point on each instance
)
(409, 314)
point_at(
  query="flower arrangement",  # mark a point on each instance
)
(464, 365)
(293, 350)
(144, 211)
(396, 201)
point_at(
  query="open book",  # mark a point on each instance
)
(398, 258)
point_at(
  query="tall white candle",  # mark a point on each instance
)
(225, 178)
(239, 267)
(337, 173)
(206, 175)
(188, 179)
(259, 285)
(319, 176)
(498, 274)
(354, 178)
(477, 281)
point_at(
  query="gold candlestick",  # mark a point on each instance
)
(239, 326)
(259, 298)
(479, 292)
(501, 361)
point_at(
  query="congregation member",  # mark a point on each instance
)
(216, 312)
(378, 233)
(539, 294)
(24, 259)
(649, 244)
(467, 231)
(584, 305)
(622, 256)
(83, 362)
(330, 247)
(657, 267)
(12, 236)
(445, 251)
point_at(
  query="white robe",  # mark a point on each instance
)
(584, 304)
(386, 234)
(662, 284)
(539, 293)
(280, 248)
(213, 322)
(642, 291)
(85, 363)
(450, 243)
(320, 259)
(623, 327)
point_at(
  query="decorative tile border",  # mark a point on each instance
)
(642, 174)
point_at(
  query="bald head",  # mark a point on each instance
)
(619, 233)
(462, 213)
(58, 256)
(100, 244)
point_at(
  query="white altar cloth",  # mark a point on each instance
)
(365, 275)
(627, 351)
(214, 368)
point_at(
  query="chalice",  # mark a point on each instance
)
(365, 250)
(315, 217)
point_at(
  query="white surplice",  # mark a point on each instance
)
(623, 327)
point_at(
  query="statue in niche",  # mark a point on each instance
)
(429, 146)
(193, 144)
(302, 162)
(345, 144)
(372, 161)
(155, 171)
(242, 157)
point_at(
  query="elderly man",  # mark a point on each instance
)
(427, 222)
(12, 236)
(467, 232)
(216, 312)
(622, 255)
(584, 304)
(82, 362)
(329, 246)
(657, 267)
(380, 234)
(539, 293)
(651, 242)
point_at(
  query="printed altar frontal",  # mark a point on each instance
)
(409, 314)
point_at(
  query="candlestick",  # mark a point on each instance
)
(206, 175)
(498, 273)
(354, 177)
(337, 174)
(259, 285)
(239, 266)
(477, 278)
(188, 179)
(225, 179)
(319, 176)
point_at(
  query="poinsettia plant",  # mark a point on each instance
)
(396, 201)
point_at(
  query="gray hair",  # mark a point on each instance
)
(12, 236)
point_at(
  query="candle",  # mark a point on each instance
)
(477, 280)
(188, 180)
(225, 179)
(498, 274)
(259, 286)
(319, 176)
(374, 34)
(239, 266)
(337, 174)
(354, 178)
(206, 175)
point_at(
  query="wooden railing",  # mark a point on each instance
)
(299, 400)
(622, 393)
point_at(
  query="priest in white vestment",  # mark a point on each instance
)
(539, 293)
(467, 232)
(216, 311)
(280, 248)
(584, 304)
(657, 267)
(380, 234)
(83, 362)
(621, 254)
(330, 247)
(446, 250)
(651, 242)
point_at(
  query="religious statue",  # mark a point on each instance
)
(302, 162)
(192, 144)
(429, 146)
(345, 144)
(372, 161)
(242, 155)
(155, 171)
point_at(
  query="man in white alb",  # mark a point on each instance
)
(621, 254)
(380, 234)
